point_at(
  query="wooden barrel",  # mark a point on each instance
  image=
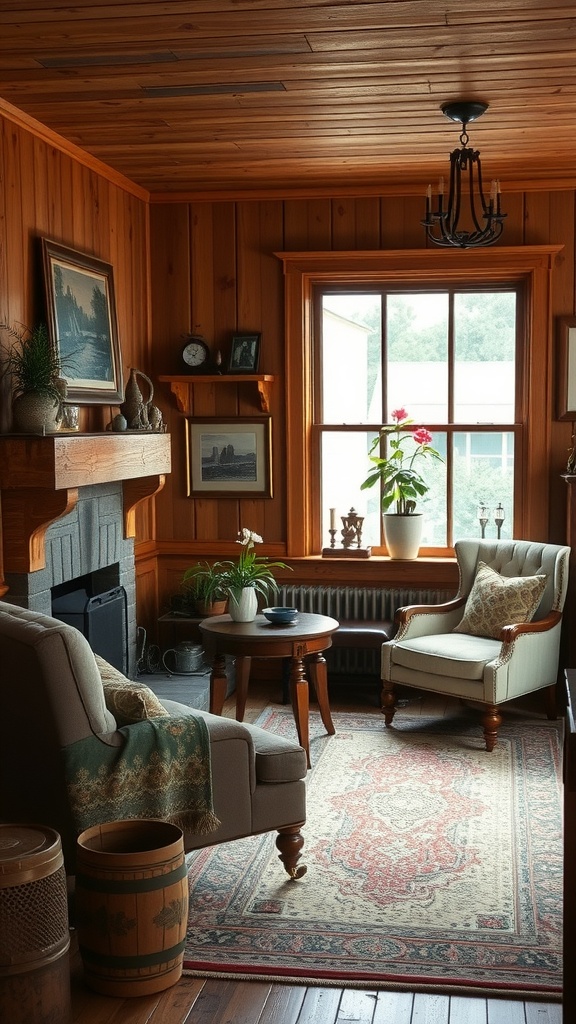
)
(34, 933)
(131, 906)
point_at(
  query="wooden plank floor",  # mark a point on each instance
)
(211, 1001)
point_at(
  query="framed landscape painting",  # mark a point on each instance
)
(229, 457)
(81, 313)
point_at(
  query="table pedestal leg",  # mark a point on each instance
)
(242, 679)
(319, 676)
(218, 684)
(300, 703)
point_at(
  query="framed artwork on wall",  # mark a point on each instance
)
(81, 312)
(566, 368)
(229, 457)
(244, 354)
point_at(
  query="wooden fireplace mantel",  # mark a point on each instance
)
(40, 477)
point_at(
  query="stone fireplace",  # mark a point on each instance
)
(68, 504)
(86, 546)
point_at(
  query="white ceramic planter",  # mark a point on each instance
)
(402, 534)
(243, 605)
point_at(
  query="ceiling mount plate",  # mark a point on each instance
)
(464, 111)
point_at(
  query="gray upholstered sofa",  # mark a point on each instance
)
(52, 696)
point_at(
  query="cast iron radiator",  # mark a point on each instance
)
(368, 603)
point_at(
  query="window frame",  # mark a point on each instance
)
(448, 428)
(530, 266)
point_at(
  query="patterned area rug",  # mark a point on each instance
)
(432, 865)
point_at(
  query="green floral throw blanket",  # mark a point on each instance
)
(161, 771)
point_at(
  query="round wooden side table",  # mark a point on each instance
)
(306, 638)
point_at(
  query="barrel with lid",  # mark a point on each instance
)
(34, 933)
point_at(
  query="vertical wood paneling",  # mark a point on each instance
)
(44, 192)
(225, 285)
(170, 284)
(356, 223)
(562, 228)
(513, 206)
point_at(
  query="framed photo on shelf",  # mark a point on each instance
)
(566, 368)
(244, 354)
(81, 313)
(229, 457)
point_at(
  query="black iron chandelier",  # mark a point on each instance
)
(466, 219)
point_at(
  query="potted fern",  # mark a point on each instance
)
(37, 384)
(203, 588)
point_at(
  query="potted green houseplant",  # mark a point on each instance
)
(401, 484)
(249, 576)
(37, 383)
(204, 590)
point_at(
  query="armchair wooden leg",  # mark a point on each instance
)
(388, 701)
(289, 842)
(491, 720)
(551, 697)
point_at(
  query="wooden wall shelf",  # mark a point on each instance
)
(182, 387)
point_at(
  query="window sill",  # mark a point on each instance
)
(425, 572)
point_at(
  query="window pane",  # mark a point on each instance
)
(483, 474)
(351, 359)
(484, 357)
(344, 466)
(417, 354)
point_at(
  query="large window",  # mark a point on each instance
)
(449, 356)
(481, 322)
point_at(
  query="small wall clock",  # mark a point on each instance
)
(196, 355)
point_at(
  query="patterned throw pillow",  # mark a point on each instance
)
(496, 601)
(128, 701)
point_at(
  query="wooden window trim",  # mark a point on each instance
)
(531, 265)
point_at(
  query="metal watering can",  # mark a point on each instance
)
(187, 658)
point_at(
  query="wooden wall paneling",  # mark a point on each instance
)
(202, 250)
(31, 264)
(513, 207)
(202, 271)
(272, 360)
(307, 224)
(41, 200)
(53, 168)
(401, 227)
(224, 270)
(64, 169)
(222, 517)
(261, 515)
(356, 223)
(170, 285)
(147, 597)
(536, 218)
(562, 229)
(536, 512)
(5, 390)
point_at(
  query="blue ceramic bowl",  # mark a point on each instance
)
(280, 616)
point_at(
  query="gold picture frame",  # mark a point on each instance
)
(81, 313)
(566, 368)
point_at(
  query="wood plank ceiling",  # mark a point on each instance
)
(237, 97)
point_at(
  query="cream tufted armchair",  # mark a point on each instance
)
(498, 639)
